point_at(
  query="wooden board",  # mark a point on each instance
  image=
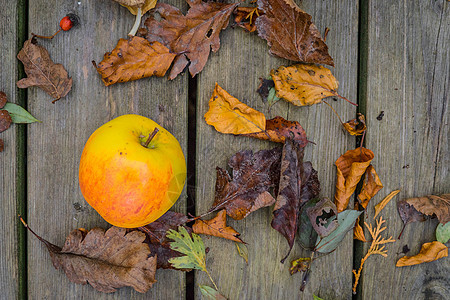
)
(408, 79)
(9, 273)
(242, 59)
(55, 204)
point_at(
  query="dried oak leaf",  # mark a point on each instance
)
(305, 84)
(3, 99)
(298, 184)
(319, 216)
(371, 186)
(279, 129)
(42, 71)
(5, 120)
(133, 59)
(356, 126)
(253, 176)
(245, 17)
(157, 237)
(290, 33)
(429, 252)
(217, 226)
(106, 260)
(228, 115)
(433, 205)
(350, 167)
(192, 36)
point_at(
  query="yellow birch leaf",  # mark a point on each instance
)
(228, 115)
(429, 252)
(379, 207)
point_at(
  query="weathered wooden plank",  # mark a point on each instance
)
(55, 204)
(242, 59)
(9, 270)
(408, 78)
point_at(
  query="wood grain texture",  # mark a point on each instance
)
(241, 60)
(8, 158)
(55, 204)
(408, 79)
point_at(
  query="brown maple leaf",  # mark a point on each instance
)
(433, 205)
(133, 59)
(106, 260)
(42, 71)
(191, 36)
(217, 226)
(253, 176)
(290, 33)
(5, 120)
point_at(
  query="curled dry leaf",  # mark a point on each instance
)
(323, 217)
(278, 130)
(356, 126)
(243, 251)
(371, 186)
(408, 214)
(5, 120)
(301, 264)
(106, 260)
(429, 252)
(42, 71)
(304, 84)
(228, 115)
(290, 33)
(379, 207)
(433, 205)
(253, 176)
(133, 59)
(350, 167)
(3, 99)
(245, 17)
(217, 226)
(358, 233)
(192, 36)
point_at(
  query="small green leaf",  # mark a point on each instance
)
(316, 298)
(18, 114)
(210, 293)
(272, 97)
(193, 248)
(443, 232)
(346, 221)
(243, 251)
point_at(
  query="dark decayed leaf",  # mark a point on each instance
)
(3, 99)
(253, 176)
(106, 260)
(323, 217)
(408, 214)
(191, 36)
(264, 87)
(42, 71)
(307, 236)
(2, 145)
(433, 205)
(5, 120)
(290, 33)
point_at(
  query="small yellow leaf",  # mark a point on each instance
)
(429, 252)
(243, 251)
(356, 126)
(228, 115)
(385, 201)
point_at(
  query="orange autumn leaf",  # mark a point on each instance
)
(228, 115)
(350, 167)
(358, 233)
(217, 226)
(429, 252)
(304, 84)
(384, 202)
(245, 17)
(371, 186)
(356, 126)
(134, 59)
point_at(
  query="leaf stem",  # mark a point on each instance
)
(137, 22)
(45, 37)
(339, 96)
(150, 137)
(335, 112)
(215, 286)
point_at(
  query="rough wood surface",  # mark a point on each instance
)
(241, 60)
(408, 79)
(55, 204)
(8, 158)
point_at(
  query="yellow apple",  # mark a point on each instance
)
(128, 183)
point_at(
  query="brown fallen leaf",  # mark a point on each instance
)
(379, 207)
(290, 33)
(3, 99)
(371, 186)
(42, 71)
(278, 130)
(192, 36)
(356, 126)
(245, 17)
(319, 216)
(305, 84)
(358, 233)
(133, 59)
(253, 176)
(264, 88)
(350, 167)
(408, 214)
(228, 115)
(429, 252)
(106, 260)
(217, 226)
(5, 120)
(433, 205)
(133, 5)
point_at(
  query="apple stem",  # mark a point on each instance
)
(150, 137)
